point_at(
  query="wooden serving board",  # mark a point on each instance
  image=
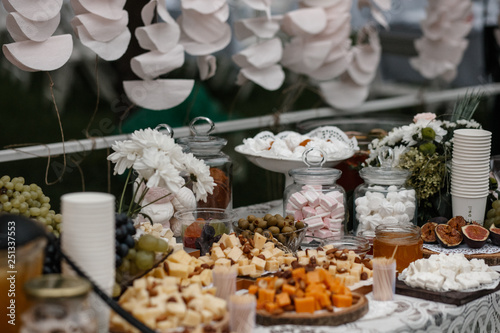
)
(323, 318)
(448, 297)
(490, 259)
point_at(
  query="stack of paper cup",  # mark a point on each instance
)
(470, 173)
(88, 239)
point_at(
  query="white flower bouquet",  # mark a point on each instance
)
(160, 167)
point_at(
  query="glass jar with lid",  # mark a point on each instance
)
(209, 149)
(315, 198)
(60, 304)
(384, 197)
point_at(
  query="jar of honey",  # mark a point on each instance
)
(209, 149)
(401, 241)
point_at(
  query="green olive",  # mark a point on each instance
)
(274, 230)
(258, 230)
(247, 234)
(290, 217)
(243, 224)
(268, 216)
(280, 224)
(282, 239)
(261, 223)
(286, 229)
(251, 227)
(299, 225)
(251, 218)
(272, 221)
(288, 223)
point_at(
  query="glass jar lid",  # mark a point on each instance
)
(314, 171)
(201, 142)
(57, 286)
(386, 174)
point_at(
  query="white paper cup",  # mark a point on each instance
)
(471, 133)
(471, 209)
(470, 178)
(384, 279)
(471, 158)
(479, 184)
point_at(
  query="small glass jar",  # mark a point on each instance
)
(399, 241)
(209, 149)
(315, 198)
(59, 305)
(383, 198)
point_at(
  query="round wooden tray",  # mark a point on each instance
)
(490, 259)
(323, 318)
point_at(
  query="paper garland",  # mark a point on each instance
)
(31, 24)
(441, 48)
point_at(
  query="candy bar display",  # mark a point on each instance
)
(316, 199)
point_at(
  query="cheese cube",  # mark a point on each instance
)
(343, 264)
(267, 254)
(179, 270)
(356, 269)
(349, 280)
(206, 316)
(206, 277)
(281, 260)
(223, 262)
(235, 254)
(321, 254)
(301, 254)
(207, 260)
(227, 250)
(272, 266)
(243, 261)
(255, 252)
(232, 241)
(288, 260)
(258, 273)
(303, 260)
(351, 256)
(268, 245)
(216, 305)
(191, 319)
(332, 269)
(222, 239)
(328, 247)
(277, 252)
(180, 257)
(217, 253)
(176, 308)
(259, 241)
(246, 270)
(367, 271)
(312, 253)
(259, 263)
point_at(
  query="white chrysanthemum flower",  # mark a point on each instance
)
(203, 183)
(149, 138)
(157, 169)
(408, 132)
(125, 155)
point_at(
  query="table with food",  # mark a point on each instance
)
(178, 257)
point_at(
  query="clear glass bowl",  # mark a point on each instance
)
(360, 245)
(290, 240)
(192, 223)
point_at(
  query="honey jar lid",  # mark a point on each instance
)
(57, 286)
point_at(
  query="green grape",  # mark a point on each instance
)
(7, 206)
(496, 221)
(34, 195)
(58, 218)
(145, 259)
(45, 205)
(37, 204)
(15, 203)
(131, 254)
(125, 266)
(16, 194)
(43, 220)
(33, 187)
(26, 188)
(5, 179)
(4, 198)
(44, 211)
(1, 183)
(26, 195)
(147, 242)
(21, 198)
(35, 211)
(133, 268)
(49, 228)
(46, 200)
(162, 246)
(116, 290)
(9, 185)
(23, 207)
(9, 193)
(18, 187)
(14, 211)
(496, 204)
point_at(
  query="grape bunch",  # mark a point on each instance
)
(52, 258)
(20, 199)
(124, 240)
(493, 215)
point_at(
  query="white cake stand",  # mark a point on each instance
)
(283, 165)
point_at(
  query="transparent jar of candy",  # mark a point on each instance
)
(209, 149)
(315, 198)
(384, 198)
(59, 304)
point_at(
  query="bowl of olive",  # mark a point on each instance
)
(284, 230)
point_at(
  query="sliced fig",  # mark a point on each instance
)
(475, 236)
(428, 232)
(457, 223)
(448, 236)
(495, 235)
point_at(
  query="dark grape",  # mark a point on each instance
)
(129, 240)
(131, 229)
(123, 250)
(208, 232)
(52, 258)
(121, 219)
(119, 234)
(118, 260)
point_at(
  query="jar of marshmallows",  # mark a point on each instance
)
(383, 198)
(315, 198)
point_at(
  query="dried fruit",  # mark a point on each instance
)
(457, 223)
(495, 235)
(475, 236)
(448, 236)
(428, 232)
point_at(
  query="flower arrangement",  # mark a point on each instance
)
(160, 166)
(424, 147)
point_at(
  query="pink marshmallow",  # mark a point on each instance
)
(312, 197)
(327, 202)
(316, 188)
(314, 221)
(323, 233)
(298, 215)
(338, 212)
(298, 200)
(337, 195)
(308, 211)
(321, 212)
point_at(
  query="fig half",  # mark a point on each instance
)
(448, 236)
(457, 223)
(428, 233)
(495, 235)
(475, 236)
